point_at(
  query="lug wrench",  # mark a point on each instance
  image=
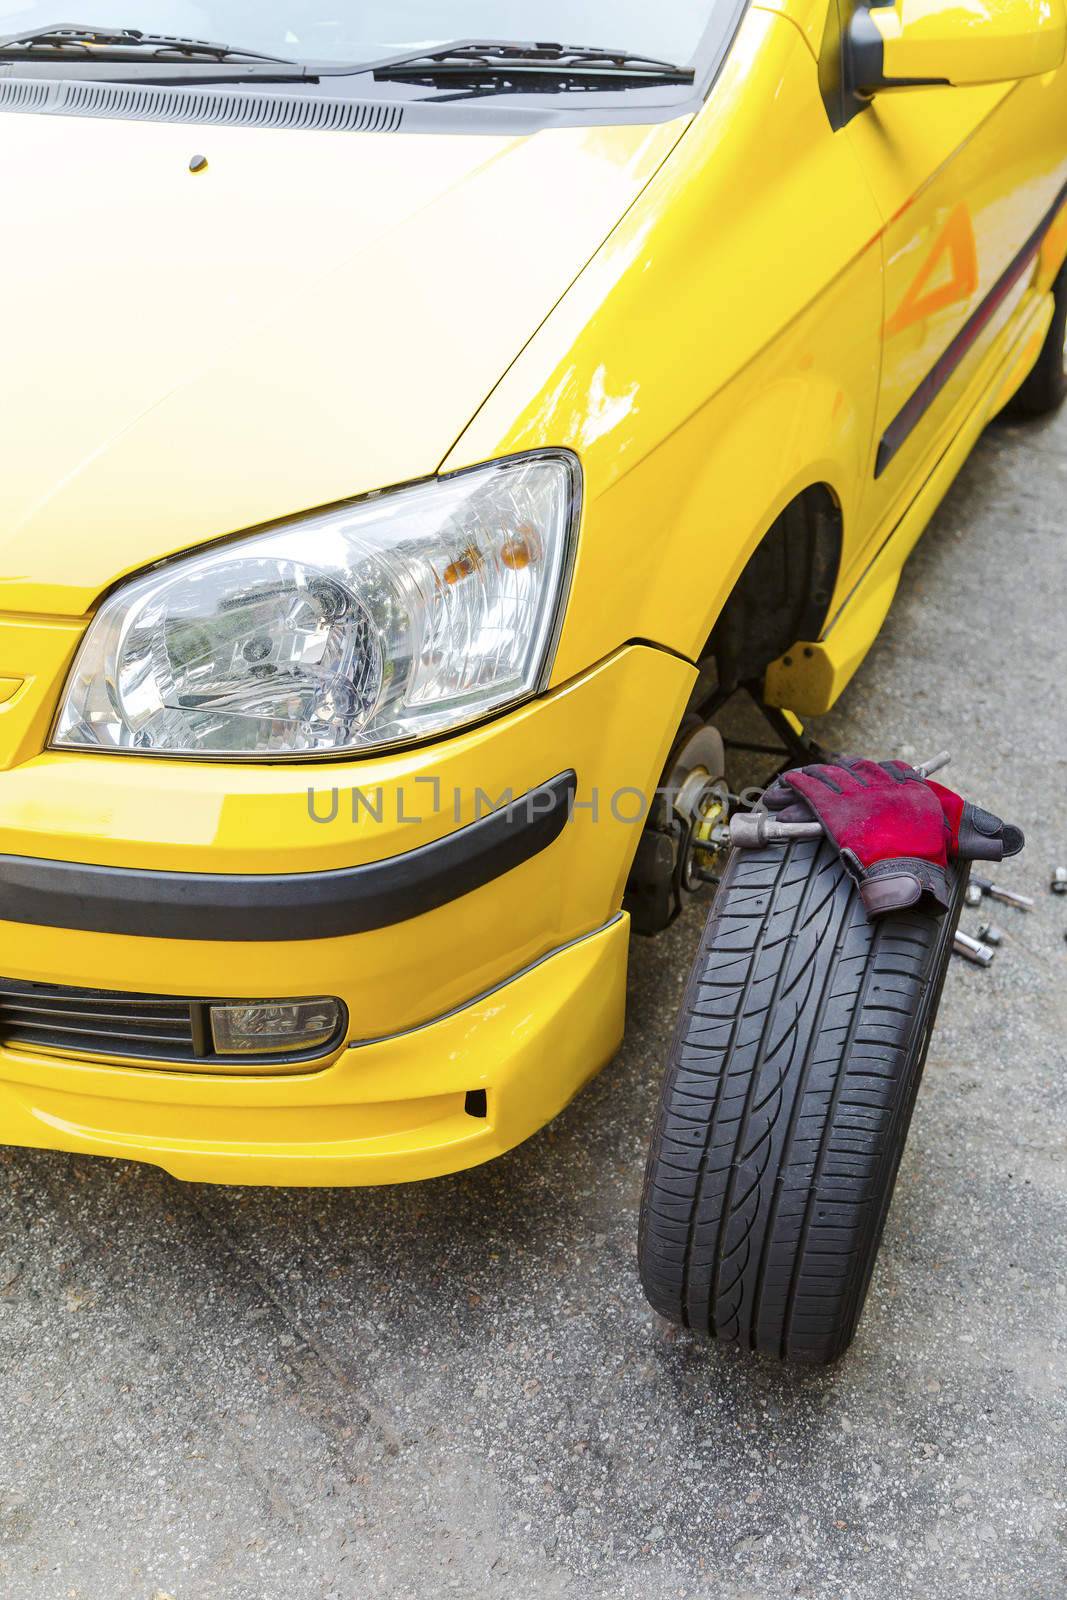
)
(750, 830)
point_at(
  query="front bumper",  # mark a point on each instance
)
(387, 1112)
(511, 984)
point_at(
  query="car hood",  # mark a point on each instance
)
(313, 316)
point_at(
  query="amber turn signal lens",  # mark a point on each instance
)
(465, 567)
(521, 549)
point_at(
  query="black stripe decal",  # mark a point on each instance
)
(915, 408)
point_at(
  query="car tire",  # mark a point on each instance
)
(786, 1102)
(1045, 389)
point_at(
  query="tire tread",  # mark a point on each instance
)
(789, 1088)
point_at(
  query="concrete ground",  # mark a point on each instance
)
(214, 1394)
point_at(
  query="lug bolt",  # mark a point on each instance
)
(973, 895)
(1059, 881)
(971, 950)
(1008, 897)
(989, 933)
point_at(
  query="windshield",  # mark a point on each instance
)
(330, 30)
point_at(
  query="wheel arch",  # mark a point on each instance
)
(784, 590)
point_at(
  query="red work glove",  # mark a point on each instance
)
(894, 830)
(977, 835)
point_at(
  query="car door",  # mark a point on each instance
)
(963, 177)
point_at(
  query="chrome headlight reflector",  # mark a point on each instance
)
(378, 623)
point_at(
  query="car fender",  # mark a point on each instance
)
(718, 355)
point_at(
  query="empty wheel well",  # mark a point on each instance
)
(784, 592)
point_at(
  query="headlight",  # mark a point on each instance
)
(374, 624)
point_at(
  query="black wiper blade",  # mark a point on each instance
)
(109, 43)
(497, 56)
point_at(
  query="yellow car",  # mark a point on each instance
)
(409, 432)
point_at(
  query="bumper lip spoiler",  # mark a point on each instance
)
(256, 909)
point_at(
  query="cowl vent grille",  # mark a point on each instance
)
(150, 103)
(18, 95)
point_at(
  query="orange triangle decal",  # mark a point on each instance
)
(956, 240)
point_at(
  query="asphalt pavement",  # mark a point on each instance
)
(222, 1394)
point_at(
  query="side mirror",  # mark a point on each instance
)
(909, 43)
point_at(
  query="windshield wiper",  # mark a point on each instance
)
(500, 57)
(483, 64)
(111, 44)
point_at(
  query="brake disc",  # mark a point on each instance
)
(699, 800)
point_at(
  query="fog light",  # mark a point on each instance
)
(286, 1025)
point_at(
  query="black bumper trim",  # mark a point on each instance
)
(235, 907)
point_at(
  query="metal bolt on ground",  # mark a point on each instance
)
(972, 950)
(1007, 897)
